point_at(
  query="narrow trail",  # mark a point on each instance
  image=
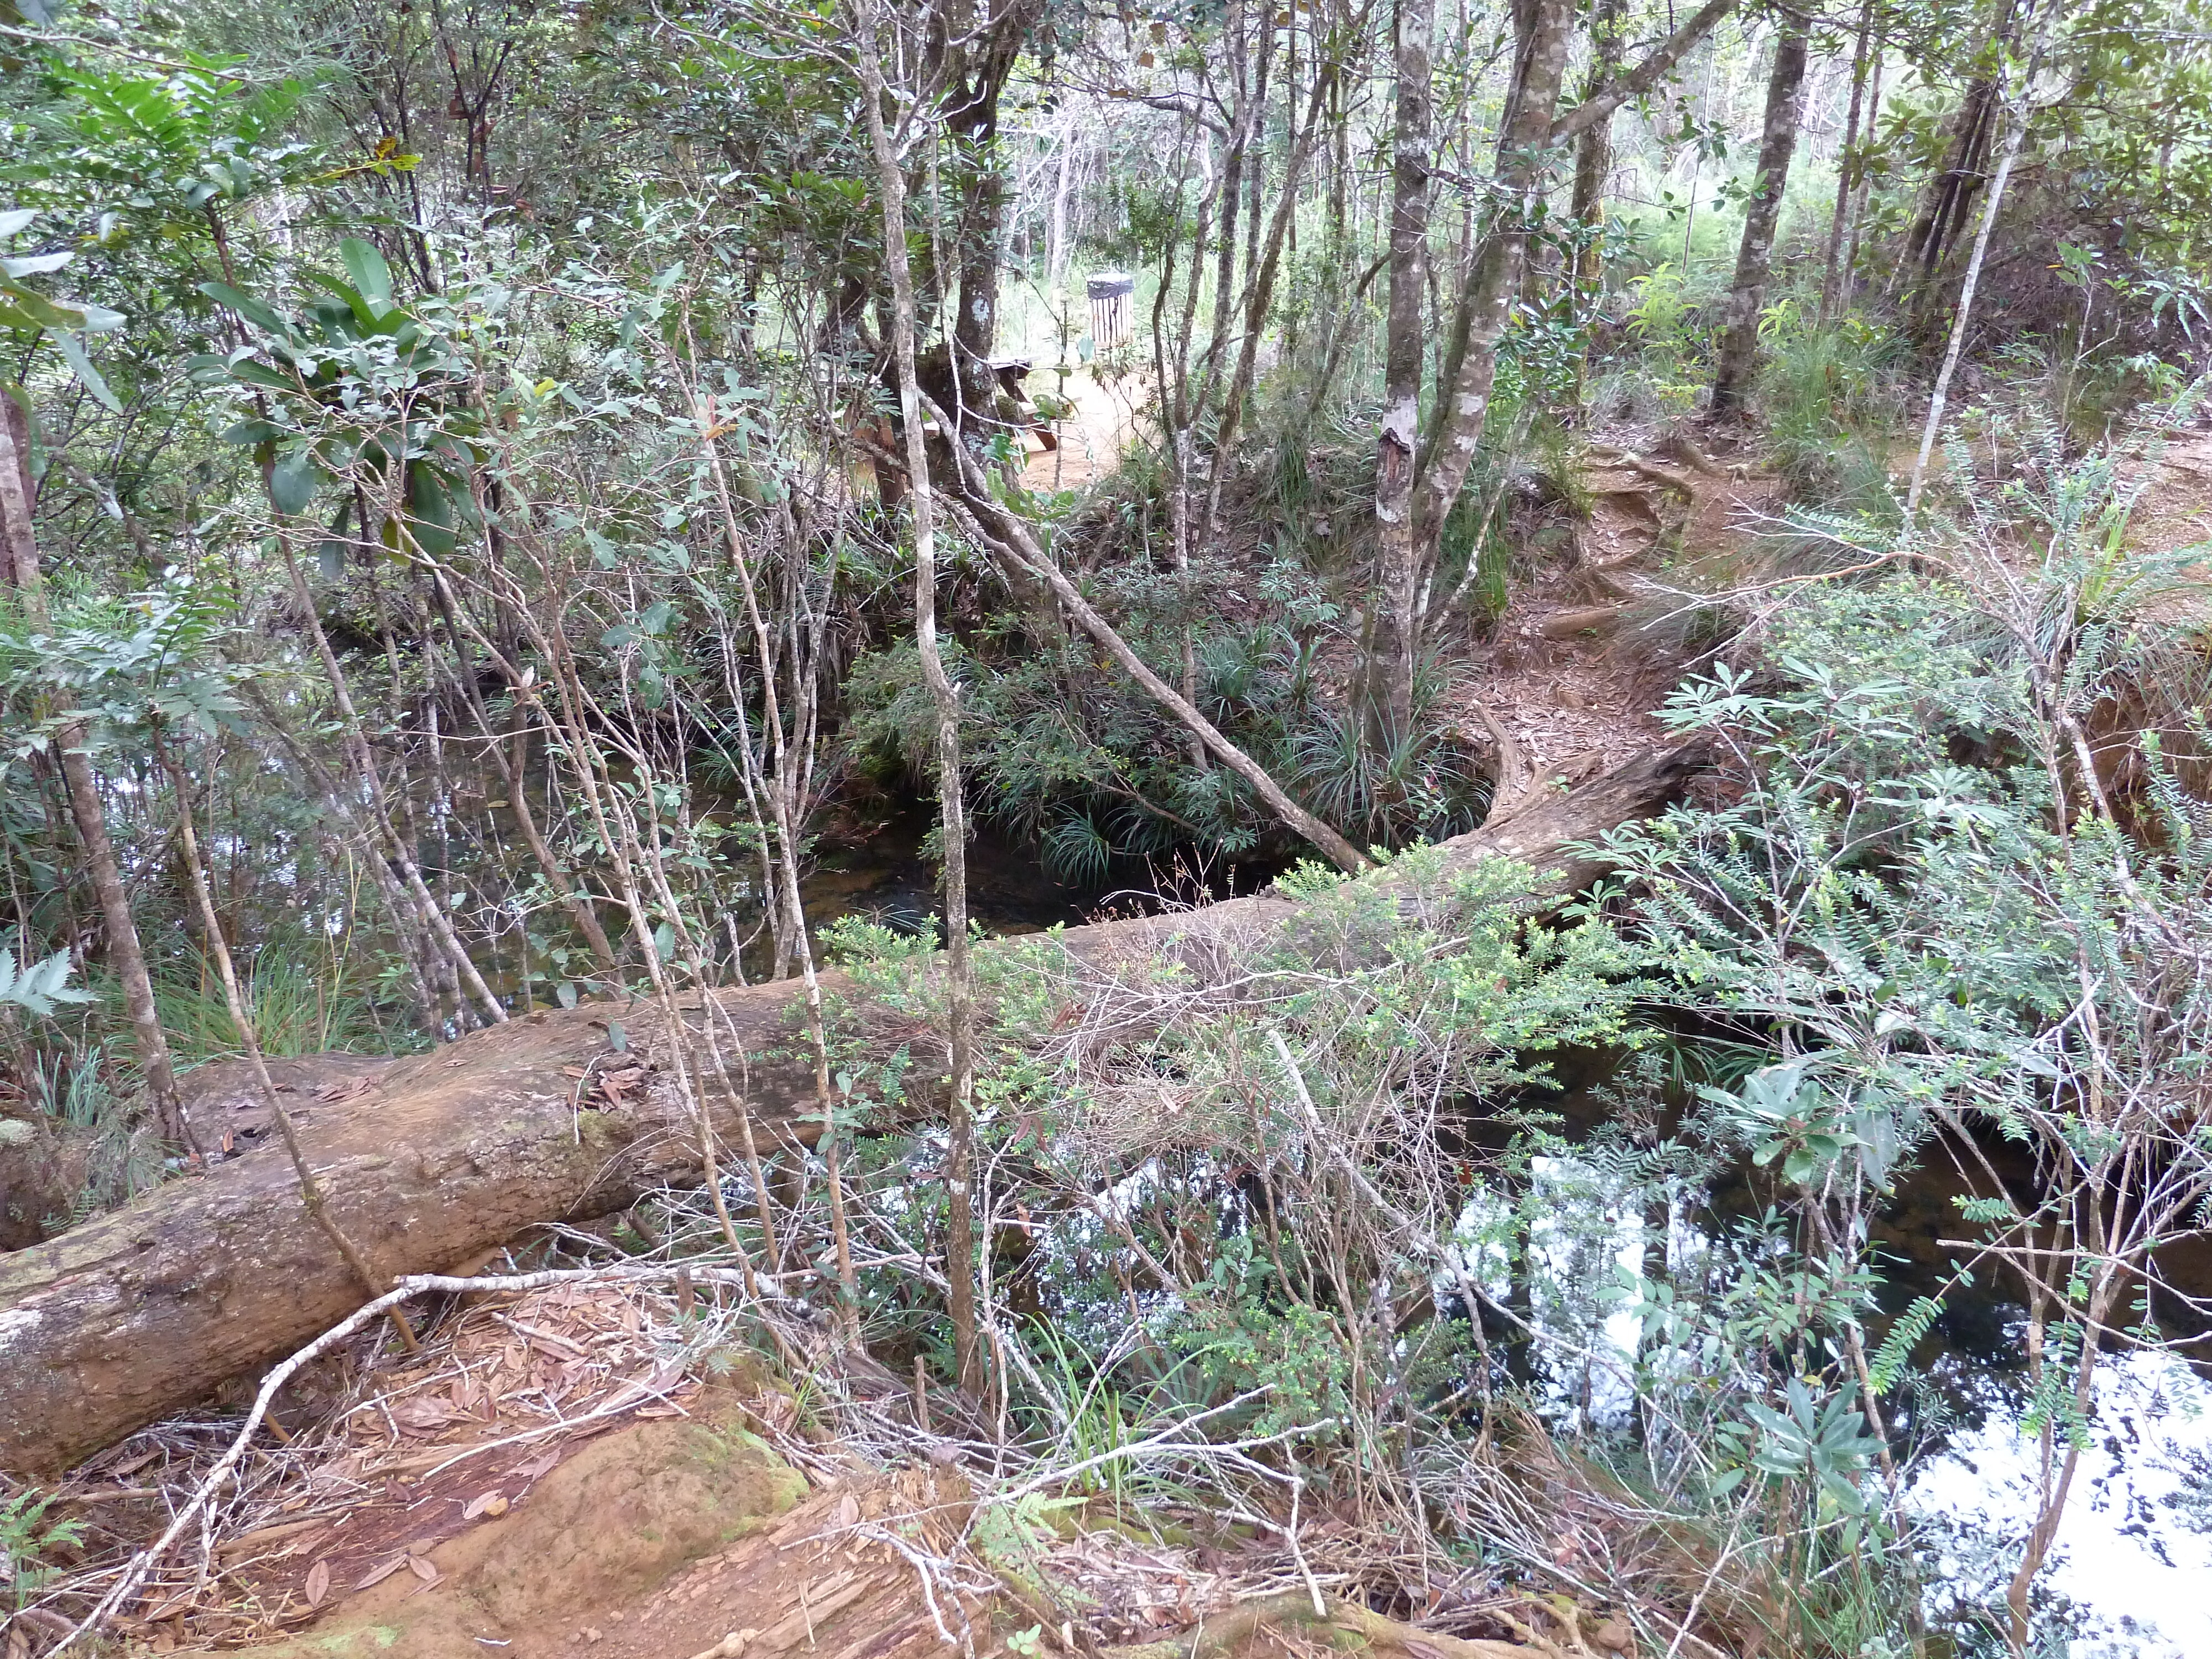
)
(1092, 437)
(1587, 649)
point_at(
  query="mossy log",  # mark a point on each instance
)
(435, 1159)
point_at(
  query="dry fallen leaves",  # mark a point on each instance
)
(318, 1583)
(378, 1575)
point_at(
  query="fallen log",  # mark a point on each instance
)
(135, 1314)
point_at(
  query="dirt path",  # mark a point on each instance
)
(1092, 440)
(2175, 509)
(1585, 650)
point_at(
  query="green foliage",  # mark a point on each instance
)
(1828, 1444)
(357, 385)
(1830, 398)
(25, 310)
(1670, 341)
(25, 1537)
(1887, 1365)
(1099, 774)
(37, 987)
(131, 667)
(298, 1007)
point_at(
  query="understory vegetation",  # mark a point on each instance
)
(507, 510)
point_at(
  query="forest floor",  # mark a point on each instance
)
(2175, 510)
(1092, 438)
(545, 1479)
(1591, 641)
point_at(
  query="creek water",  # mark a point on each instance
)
(2132, 1574)
(887, 876)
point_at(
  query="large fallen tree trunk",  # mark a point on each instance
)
(137, 1314)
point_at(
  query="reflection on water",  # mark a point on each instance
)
(888, 875)
(2134, 1560)
(2130, 1576)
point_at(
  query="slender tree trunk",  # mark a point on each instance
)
(2020, 114)
(1494, 275)
(1256, 149)
(1390, 673)
(1259, 283)
(125, 954)
(1009, 542)
(1184, 406)
(1493, 279)
(513, 774)
(1230, 185)
(1846, 159)
(972, 118)
(1777, 143)
(1847, 278)
(1593, 161)
(960, 994)
(1943, 204)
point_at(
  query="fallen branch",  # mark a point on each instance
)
(1008, 540)
(142, 1564)
(137, 1314)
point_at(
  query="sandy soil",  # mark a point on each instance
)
(1092, 439)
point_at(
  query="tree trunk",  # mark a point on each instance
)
(1778, 144)
(972, 118)
(1260, 280)
(1863, 183)
(1390, 671)
(1846, 156)
(1486, 304)
(1943, 204)
(1593, 161)
(137, 1314)
(960, 984)
(19, 548)
(2019, 114)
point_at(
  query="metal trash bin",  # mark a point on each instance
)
(1111, 297)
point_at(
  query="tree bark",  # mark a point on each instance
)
(1260, 280)
(1390, 662)
(959, 977)
(1593, 160)
(138, 1313)
(1738, 364)
(2020, 114)
(971, 116)
(1486, 304)
(1529, 133)
(1863, 183)
(1846, 155)
(19, 554)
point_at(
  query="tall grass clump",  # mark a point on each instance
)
(297, 1009)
